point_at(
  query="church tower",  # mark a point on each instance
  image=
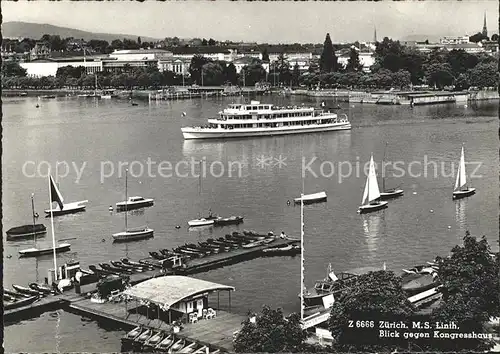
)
(485, 29)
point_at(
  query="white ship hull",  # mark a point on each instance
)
(200, 222)
(131, 235)
(311, 198)
(218, 133)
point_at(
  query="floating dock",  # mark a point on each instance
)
(199, 265)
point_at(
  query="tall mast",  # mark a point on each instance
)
(52, 227)
(126, 199)
(33, 215)
(383, 168)
(302, 252)
(34, 233)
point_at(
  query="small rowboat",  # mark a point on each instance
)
(20, 303)
(154, 340)
(25, 290)
(26, 231)
(165, 343)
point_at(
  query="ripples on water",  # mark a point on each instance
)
(407, 233)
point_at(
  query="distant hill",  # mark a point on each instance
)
(17, 29)
(421, 38)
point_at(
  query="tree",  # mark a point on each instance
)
(204, 42)
(213, 74)
(328, 59)
(353, 63)
(230, 74)
(117, 44)
(211, 42)
(10, 68)
(460, 61)
(413, 62)
(484, 75)
(195, 68)
(252, 73)
(139, 40)
(494, 37)
(439, 75)
(478, 37)
(374, 296)
(272, 332)
(265, 56)
(401, 79)
(470, 284)
(283, 68)
(389, 54)
(295, 75)
(462, 82)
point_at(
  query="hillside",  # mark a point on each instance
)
(36, 31)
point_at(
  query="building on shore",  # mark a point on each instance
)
(175, 298)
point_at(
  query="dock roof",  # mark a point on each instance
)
(171, 289)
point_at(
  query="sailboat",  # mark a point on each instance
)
(461, 189)
(131, 234)
(371, 196)
(311, 198)
(63, 208)
(28, 230)
(61, 247)
(202, 221)
(392, 192)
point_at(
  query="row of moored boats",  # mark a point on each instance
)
(149, 340)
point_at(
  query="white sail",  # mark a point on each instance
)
(461, 176)
(55, 195)
(372, 191)
(365, 193)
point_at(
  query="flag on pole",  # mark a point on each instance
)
(55, 194)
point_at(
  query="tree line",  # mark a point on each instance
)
(469, 284)
(395, 66)
(399, 66)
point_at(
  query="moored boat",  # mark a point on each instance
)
(61, 207)
(154, 340)
(20, 303)
(140, 233)
(24, 231)
(419, 279)
(391, 192)
(165, 343)
(333, 284)
(177, 346)
(136, 202)
(36, 251)
(311, 198)
(42, 288)
(25, 290)
(232, 220)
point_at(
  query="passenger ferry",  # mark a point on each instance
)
(263, 119)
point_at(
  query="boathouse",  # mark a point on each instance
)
(175, 298)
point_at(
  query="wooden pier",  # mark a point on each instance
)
(199, 265)
(216, 332)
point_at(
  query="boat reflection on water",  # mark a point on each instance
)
(460, 215)
(211, 149)
(371, 230)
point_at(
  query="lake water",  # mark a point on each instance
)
(99, 135)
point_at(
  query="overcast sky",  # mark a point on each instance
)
(273, 22)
